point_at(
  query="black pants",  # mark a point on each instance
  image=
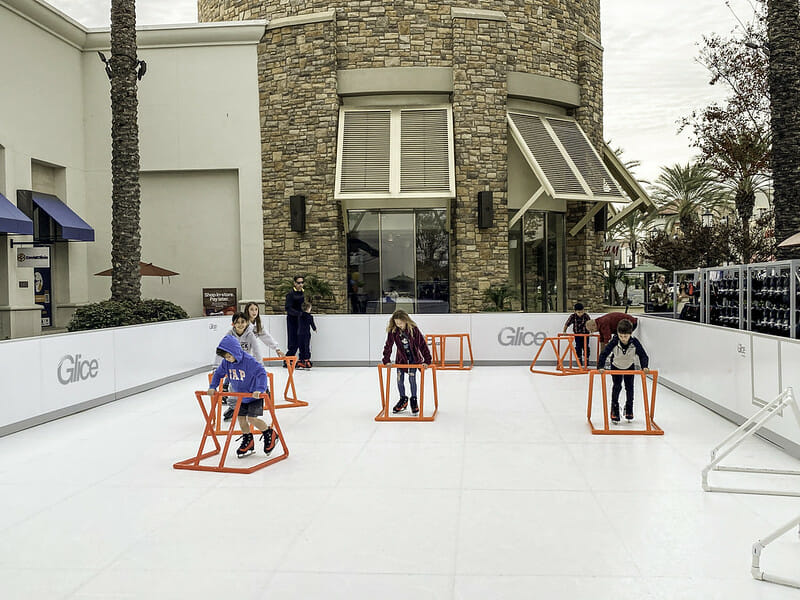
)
(304, 343)
(579, 342)
(616, 388)
(291, 335)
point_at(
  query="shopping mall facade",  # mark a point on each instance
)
(411, 155)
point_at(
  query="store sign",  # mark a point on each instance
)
(219, 301)
(33, 257)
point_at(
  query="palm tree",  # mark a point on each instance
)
(124, 69)
(783, 34)
(741, 160)
(633, 227)
(686, 192)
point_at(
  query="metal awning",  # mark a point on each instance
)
(563, 159)
(64, 224)
(12, 219)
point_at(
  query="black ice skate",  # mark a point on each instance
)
(414, 405)
(270, 439)
(401, 405)
(247, 446)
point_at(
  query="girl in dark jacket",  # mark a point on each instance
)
(411, 350)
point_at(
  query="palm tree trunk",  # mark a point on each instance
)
(125, 234)
(783, 32)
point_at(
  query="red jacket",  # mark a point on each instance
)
(419, 348)
(607, 324)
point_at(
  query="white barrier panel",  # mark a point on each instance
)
(730, 371)
(56, 374)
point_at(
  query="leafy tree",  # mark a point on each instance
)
(633, 228)
(733, 135)
(686, 192)
(783, 36)
(693, 246)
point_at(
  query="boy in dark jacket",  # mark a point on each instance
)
(304, 327)
(247, 375)
(623, 353)
(412, 349)
(578, 320)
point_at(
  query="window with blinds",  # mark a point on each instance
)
(365, 154)
(424, 151)
(396, 152)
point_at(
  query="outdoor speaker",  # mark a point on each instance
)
(297, 213)
(601, 219)
(485, 211)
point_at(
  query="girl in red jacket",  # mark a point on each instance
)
(411, 349)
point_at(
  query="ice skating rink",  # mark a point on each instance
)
(505, 495)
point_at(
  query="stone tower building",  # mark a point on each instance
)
(390, 118)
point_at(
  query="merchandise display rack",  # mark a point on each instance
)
(759, 297)
(726, 293)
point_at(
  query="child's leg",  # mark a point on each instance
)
(412, 381)
(258, 423)
(305, 352)
(579, 348)
(628, 394)
(616, 388)
(401, 382)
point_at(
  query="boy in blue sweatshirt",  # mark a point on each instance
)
(624, 353)
(246, 375)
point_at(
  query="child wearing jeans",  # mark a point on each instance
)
(246, 375)
(623, 353)
(578, 321)
(412, 349)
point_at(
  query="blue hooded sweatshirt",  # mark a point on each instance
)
(246, 374)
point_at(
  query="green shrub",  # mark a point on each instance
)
(108, 313)
(153, 310)
(499, 297)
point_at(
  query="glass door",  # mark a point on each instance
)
(537, 260)
(398, 260)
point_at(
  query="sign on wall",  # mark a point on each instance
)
(38, 256)
(219, 301)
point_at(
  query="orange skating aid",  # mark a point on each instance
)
(624, 429)
(384, 377)
(194, 463)
(291, 400)
(567, 362)
(438, 341)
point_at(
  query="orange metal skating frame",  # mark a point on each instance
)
(437, 343)
(386, 389)
(291, 401)
(216, 411)
(649, 406)
(566, 359)
(193, 464)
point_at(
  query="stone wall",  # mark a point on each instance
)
(585, 250)
(299, 117)
(299, 112)
(480, 256)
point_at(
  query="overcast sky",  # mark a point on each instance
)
(651, 76)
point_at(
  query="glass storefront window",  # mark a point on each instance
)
(537, 260)
(398, 260)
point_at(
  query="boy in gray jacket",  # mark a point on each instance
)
(623, 353)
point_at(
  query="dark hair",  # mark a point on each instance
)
(625, 326)
(239, 315)
(578, 306)
(221, 352)
(257, 321)
(306, 305)
(296, 277)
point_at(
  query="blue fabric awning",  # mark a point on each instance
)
(71, 225)
(12, 219)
